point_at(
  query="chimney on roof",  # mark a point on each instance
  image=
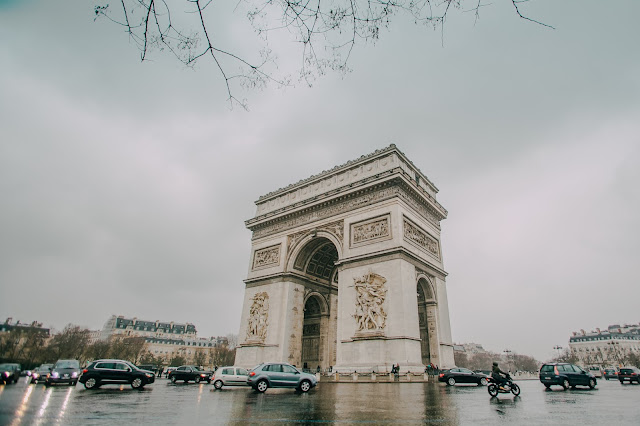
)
(583, 332)
(598, 330)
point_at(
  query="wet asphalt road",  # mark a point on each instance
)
(342, 403)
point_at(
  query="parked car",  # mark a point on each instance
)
(40, 373)
(63, 371)
(280, 375)
(455, 375)
(632, 374)
(188, 373)
(115, 371)
(9, 373)
(230, 376)
(610, 373)
(566, 375)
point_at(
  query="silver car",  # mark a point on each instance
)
(230, 376)
(280, 375)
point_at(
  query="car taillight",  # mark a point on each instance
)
(441, 374)
(253, 373)
(633, 374)
(555, 371)
(85, 371)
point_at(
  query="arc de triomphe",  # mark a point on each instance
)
(346, 271)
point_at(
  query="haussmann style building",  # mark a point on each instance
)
(346, 271)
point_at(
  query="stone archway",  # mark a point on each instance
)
(334, 264)
(315, 259)
(427, 321)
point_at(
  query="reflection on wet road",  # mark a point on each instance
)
(344, 403)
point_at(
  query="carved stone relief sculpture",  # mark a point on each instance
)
(266, 256)
(417, 236)
(258, 317)
(370, 230)
(371, 293)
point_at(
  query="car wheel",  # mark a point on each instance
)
(173, 379)
(547, 386)
(451, 381)
(566, 384)
(218, 384)
(262, 386)
(136, 383)
(197, 379)
(305, 385)
(91, 383)
(483, 382)
(592, 383)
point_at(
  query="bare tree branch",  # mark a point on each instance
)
(328, 32)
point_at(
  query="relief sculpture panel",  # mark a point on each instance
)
(370, 230)
(266, 257)
(420, 238)
(258, 317)
(371, 293)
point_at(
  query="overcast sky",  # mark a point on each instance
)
(124, 186)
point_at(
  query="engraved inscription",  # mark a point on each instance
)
(266, 256)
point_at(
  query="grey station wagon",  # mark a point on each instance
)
(280, 375)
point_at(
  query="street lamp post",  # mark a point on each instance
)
(558, 348)
(508, 353)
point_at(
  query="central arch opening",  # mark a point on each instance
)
(316, 263)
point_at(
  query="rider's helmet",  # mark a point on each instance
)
(495, 363)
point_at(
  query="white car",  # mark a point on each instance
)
(230, 376)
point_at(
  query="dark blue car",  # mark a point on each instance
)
(566, 375)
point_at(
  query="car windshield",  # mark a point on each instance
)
(7, 366)
(71, 363)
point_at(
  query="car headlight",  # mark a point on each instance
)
(6, 374)
(74, 374)
(148, 375)
(55, 374)
(35, 375)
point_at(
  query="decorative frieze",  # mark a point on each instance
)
(266, 257)
(416, 235)
(346, 205)
(371, 230)
(371, 293)
(258, 317)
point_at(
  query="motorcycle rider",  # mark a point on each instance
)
(498, 375)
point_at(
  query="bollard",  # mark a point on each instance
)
(373, 377)
(355, 376)
(337, 377)
(408, 376)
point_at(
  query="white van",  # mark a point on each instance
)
(595, 370)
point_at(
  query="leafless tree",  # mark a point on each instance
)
(326, 30)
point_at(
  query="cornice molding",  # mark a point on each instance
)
(394, 185)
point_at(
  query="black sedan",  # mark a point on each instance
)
(190, 373)
(462, 375)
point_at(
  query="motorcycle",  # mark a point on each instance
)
(507, 387)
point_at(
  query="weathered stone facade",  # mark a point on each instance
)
(350, 263)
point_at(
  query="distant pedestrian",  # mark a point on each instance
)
(160, 370)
